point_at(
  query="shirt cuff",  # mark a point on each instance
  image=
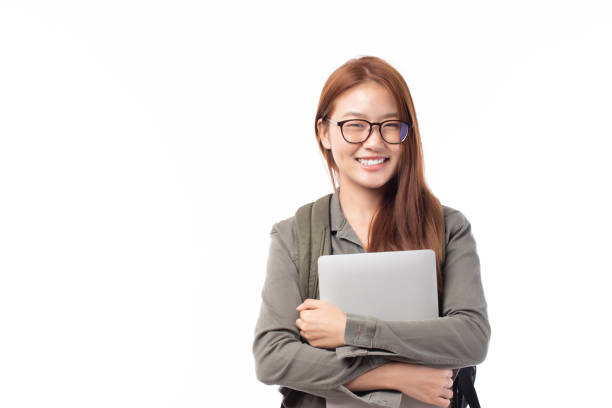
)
(378, 398)
(352, 351)
(359, 330)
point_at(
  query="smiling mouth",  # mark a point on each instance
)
(372, 162)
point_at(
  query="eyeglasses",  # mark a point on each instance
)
(358, 130)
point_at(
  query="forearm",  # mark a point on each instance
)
(460, 338)
(451, 341)
(283, 360)
(379, 378)
(319, 372)
(429, 385)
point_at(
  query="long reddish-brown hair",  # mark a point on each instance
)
(410, 216)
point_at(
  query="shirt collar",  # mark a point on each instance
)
(339, 225)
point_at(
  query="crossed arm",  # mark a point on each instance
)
(323, 325)
(411, 357)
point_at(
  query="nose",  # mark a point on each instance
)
(375, 138)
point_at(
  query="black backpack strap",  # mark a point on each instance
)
(464, 388)
(314, 239)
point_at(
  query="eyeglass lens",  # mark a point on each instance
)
(356, 131)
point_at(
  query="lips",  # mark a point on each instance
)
(372, 164)
(372, 161)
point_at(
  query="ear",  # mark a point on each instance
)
(323, 134)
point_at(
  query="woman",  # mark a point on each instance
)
(367, 130)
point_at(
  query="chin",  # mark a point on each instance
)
(375, 185)
(366, 181)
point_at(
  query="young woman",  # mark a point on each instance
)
(367, 130)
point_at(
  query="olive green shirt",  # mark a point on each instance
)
(307, 375)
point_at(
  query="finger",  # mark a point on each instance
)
(449, 383)
(441, 402)
(299, 322)
(309, 304)
(446, 393)
(308, 315)
(309, 336)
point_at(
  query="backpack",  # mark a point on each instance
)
(312, 222)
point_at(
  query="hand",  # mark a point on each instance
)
(430, 385)
(321, 323)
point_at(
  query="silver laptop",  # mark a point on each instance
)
(397, 285)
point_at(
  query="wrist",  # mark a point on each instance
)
(395, 374)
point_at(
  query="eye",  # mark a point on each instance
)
(392, 125)
(355, 125)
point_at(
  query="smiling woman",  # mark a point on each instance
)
(367, 131)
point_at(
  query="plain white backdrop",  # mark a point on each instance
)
(147, 148)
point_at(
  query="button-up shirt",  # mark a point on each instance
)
(308, 375)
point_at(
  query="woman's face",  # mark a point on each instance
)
(370, 164)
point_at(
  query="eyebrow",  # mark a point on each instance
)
(361, 115)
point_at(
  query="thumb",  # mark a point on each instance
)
(309, 304)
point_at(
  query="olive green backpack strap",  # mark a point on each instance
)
(314, 239)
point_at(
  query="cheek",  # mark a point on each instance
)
(397, 155)
(342, 151)
(346, 156)
(397, 158)
(338, 157)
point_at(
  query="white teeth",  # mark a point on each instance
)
(370, 162)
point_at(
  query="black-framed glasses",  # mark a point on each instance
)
(358, 130)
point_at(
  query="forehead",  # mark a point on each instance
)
(369, 98)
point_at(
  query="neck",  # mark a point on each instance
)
(359, 204)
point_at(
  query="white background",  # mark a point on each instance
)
(147, 148)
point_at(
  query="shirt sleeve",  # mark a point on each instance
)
(280, 355)
(459, 338)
